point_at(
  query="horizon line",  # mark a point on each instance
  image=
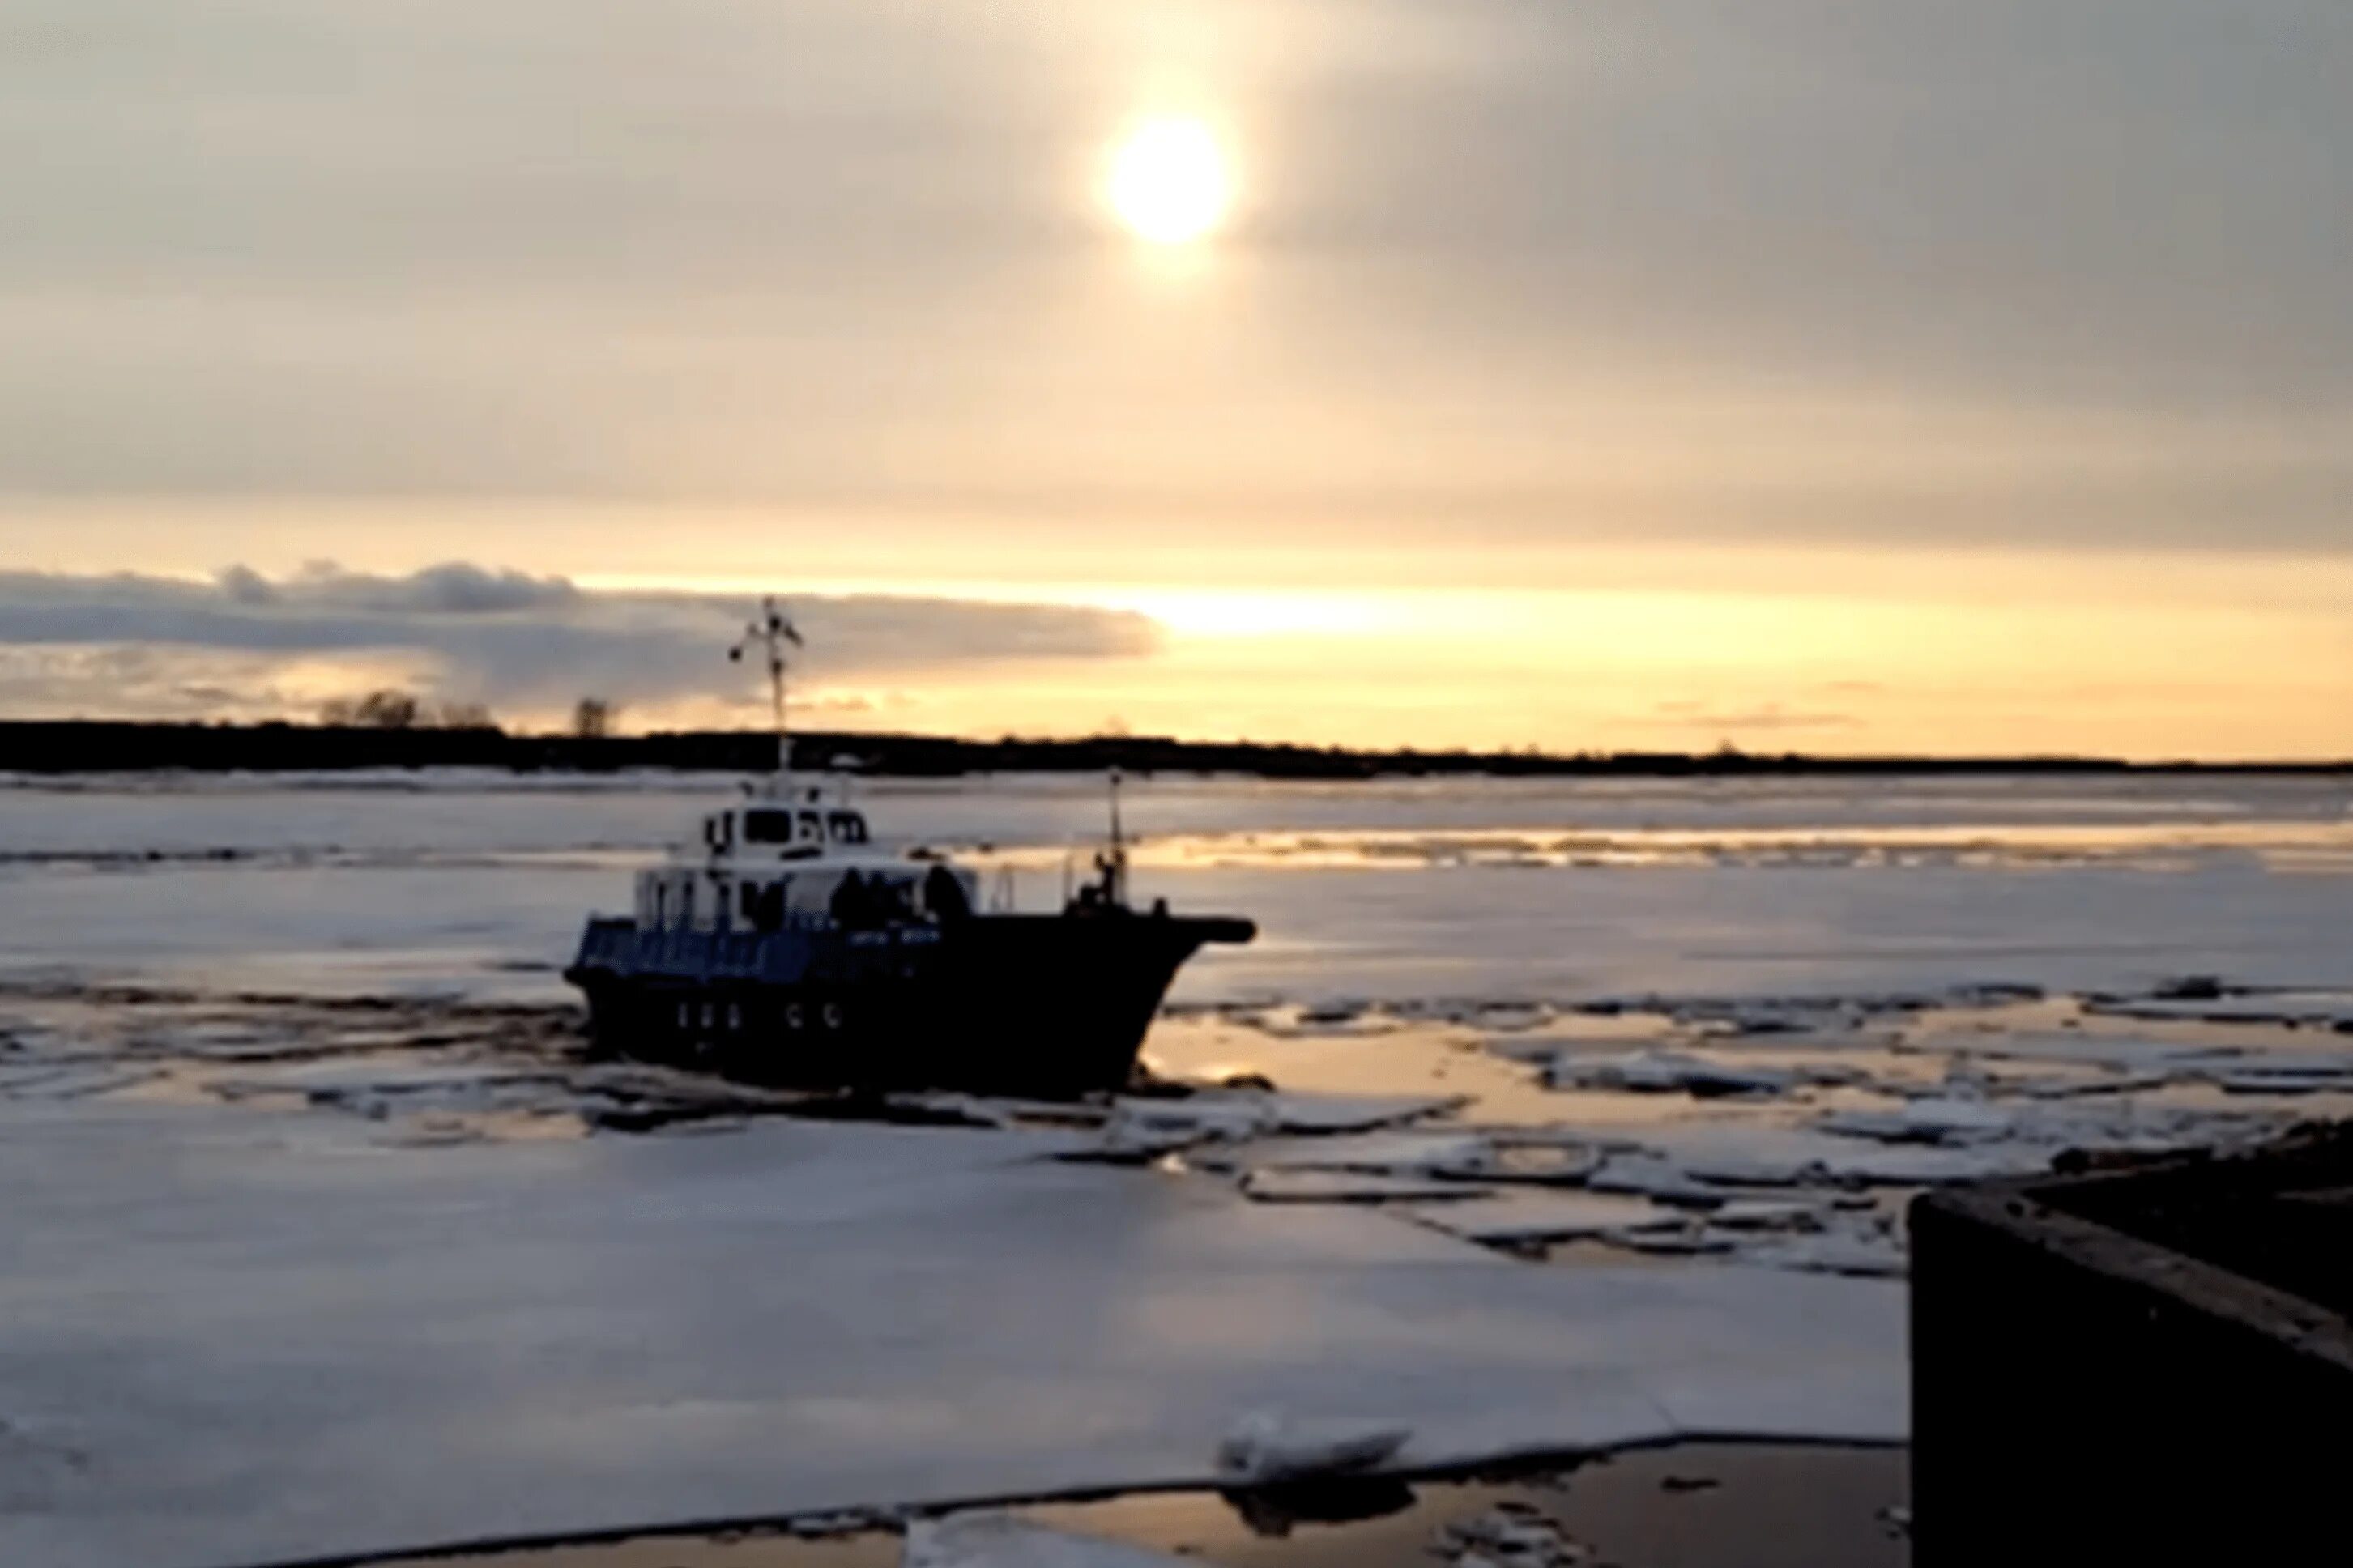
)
(712, 750)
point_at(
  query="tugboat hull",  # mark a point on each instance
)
(1032, 1005)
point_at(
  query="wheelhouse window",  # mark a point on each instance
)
(768, 826)
(812, 827)
(846, 827)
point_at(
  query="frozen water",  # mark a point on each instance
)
(378, 1318)
(298, 1340)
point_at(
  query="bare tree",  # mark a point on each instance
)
(465, 716)
(389, 709)
(592, 718)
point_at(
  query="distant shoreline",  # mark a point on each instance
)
(90, 746)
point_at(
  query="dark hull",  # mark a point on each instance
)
(1031, 1004)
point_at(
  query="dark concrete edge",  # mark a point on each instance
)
(2021, 1211)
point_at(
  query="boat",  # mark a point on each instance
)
(788, 945)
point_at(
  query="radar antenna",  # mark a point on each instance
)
(768, 635)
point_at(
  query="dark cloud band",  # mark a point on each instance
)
(130, 644)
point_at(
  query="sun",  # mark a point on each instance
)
(1169, 182)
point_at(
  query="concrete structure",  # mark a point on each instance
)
(2145, 1364)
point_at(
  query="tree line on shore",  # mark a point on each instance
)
(397, 736)
(391, 708)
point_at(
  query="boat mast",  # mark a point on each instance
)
(1115, 866)
(769, 635)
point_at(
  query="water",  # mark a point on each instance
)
(475, 886)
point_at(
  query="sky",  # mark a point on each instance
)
(1939, 377)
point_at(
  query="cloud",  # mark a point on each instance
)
(245, 645)
(1496, 257)
(452, 587)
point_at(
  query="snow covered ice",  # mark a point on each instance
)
(1268, 1446)
(301, 1339)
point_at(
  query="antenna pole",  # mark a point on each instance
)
(769, 635)
(1117, 872)
(776, 694)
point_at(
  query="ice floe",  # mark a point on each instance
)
(1735, 1167)
(992, 1540)
(2117, 1053)
(1296, 1111)
(1516, 1159)
(1240, 1113)
(1858, 1249)
(1295, 1186)
(1524, 1219)
(1939, 1119)
(1707, 1163)
(1935, 1167)
(2283, 1077)
(1767, 1214)
(1686, 1238)
(2221, 1004)
(1272, 1446)
(1657, 1071)
(1655, 1177)
(1510, 1535)
(1401, 1151)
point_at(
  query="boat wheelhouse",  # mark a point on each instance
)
(788, 855)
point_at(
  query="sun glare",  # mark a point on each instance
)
(1169, 182)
